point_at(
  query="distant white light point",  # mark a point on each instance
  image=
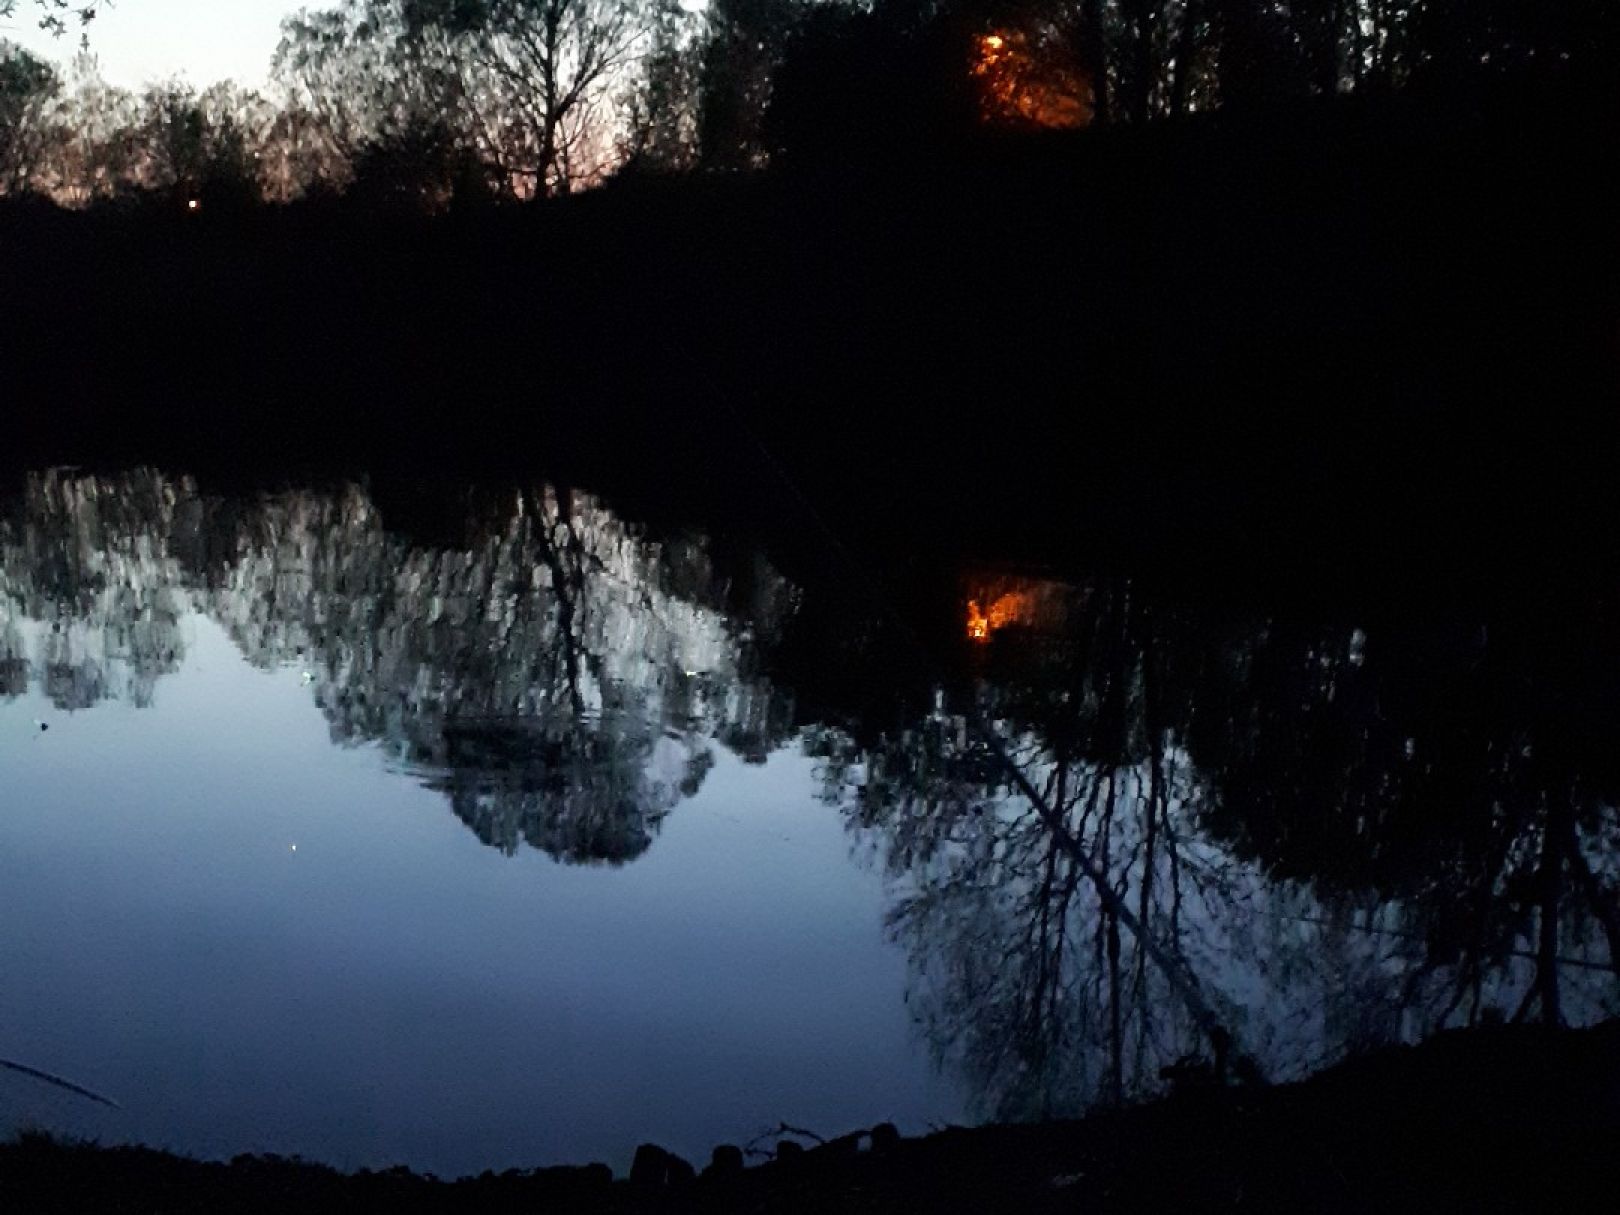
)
(295, 847)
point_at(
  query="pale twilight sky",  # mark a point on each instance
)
(141, 40)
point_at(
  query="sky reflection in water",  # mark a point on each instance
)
(670, 903)
(395, 990)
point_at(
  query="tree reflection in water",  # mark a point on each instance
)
(561, 677)
(1317, 838)
(1338, 839)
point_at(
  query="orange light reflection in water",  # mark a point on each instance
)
(1010, 608)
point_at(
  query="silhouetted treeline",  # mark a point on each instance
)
(1369, 335)
(433, 103)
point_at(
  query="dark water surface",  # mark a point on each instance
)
(532, 831)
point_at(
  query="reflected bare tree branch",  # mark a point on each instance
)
(1227, 826)
(544, 676)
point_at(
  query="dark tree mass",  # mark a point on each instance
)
(422, 102)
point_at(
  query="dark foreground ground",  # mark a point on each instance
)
(1500, 1119)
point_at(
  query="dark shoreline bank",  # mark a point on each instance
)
(1510, 1118)
(1371, 340)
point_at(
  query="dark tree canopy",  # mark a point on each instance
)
(27, 85)
(520, 99)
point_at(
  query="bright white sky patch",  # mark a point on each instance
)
(137, 41)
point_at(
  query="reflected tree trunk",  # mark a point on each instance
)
(1552, 889)
(1604, 905)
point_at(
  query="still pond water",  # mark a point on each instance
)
(544, 832)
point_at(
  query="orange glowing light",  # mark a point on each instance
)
(1006, 609)
(1030, 78)
(978, 624)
